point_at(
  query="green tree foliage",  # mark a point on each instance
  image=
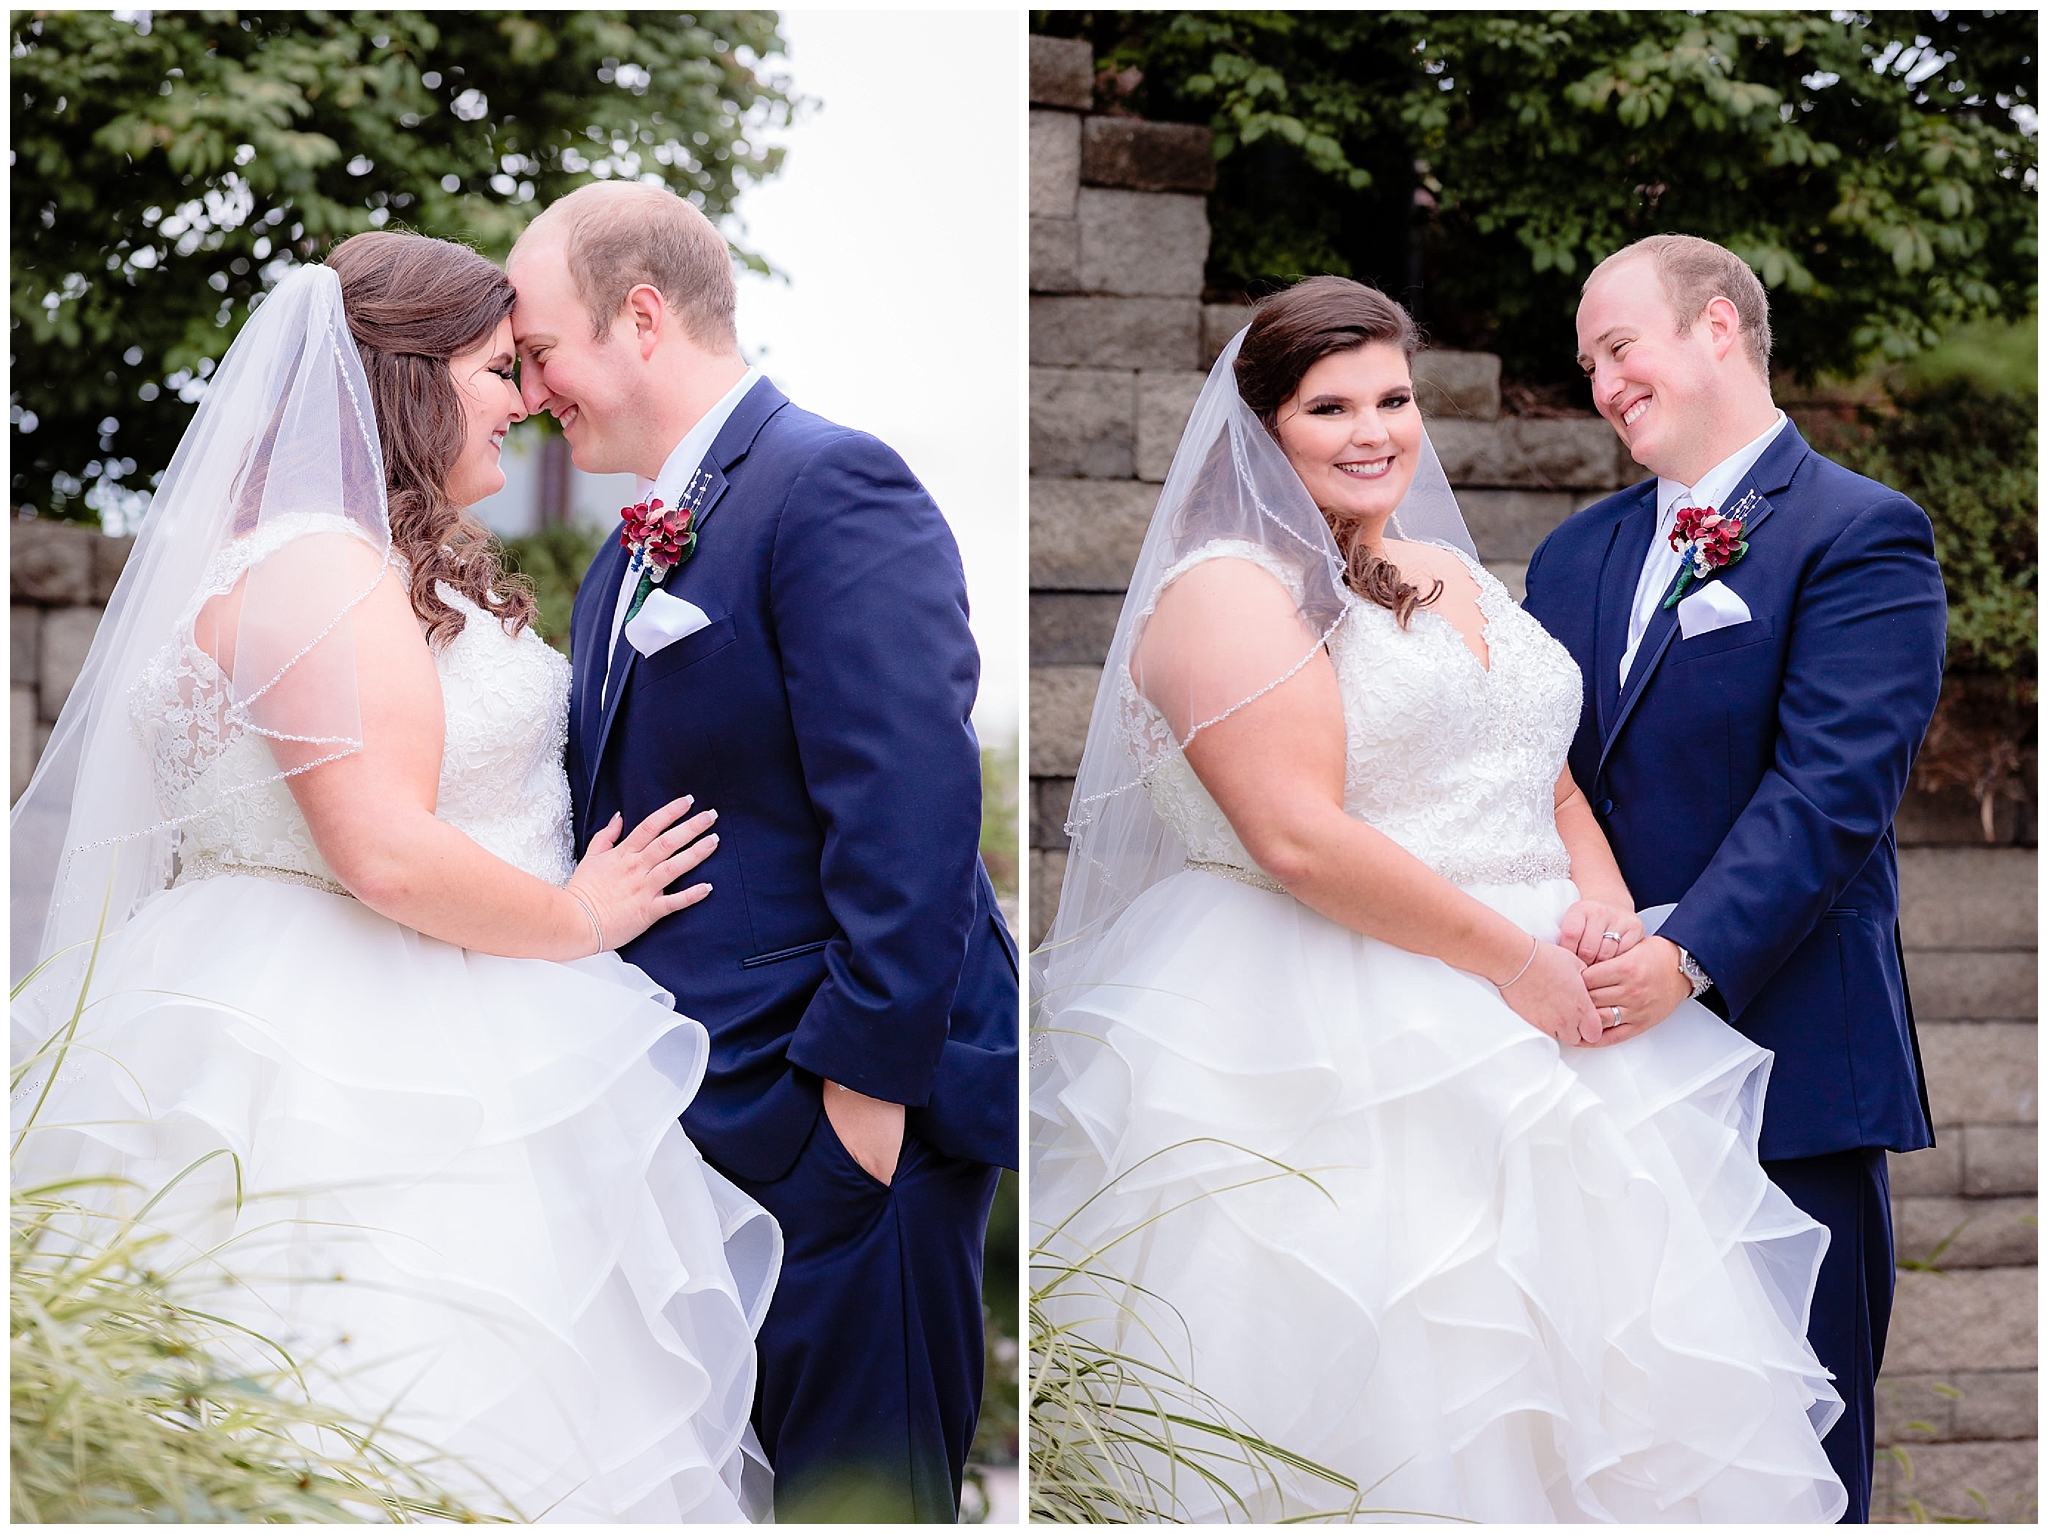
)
(170, 168)
(1877, 168)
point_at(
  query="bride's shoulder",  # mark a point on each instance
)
(1229, 604)
(308, 550)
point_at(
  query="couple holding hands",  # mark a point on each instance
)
(1365, 1101)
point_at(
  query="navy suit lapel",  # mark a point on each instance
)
(1767, 477)
(707, 489)
(705, 492)
(587, 672)
(1619, 574)
(1656, 639)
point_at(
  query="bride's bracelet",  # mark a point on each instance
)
(591, 911)
(1534, 944)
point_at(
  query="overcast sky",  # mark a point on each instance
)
(898, 220)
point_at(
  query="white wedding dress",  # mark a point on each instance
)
(1511, 1282)
(465, 1200)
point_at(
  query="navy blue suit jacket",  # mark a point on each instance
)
(852, 934)
(1751, 774)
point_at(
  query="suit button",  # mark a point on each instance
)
(1605, 807)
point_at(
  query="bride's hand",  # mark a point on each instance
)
(1599, 929)
(1551, 997)
(624, 880)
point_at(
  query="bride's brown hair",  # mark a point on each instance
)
(1289, 334)
(413, 304)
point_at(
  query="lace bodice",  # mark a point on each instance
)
(1456, 762)
(507, 706)
(506, 709)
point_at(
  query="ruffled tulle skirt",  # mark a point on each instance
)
(1361, 1207)
(457, 1193)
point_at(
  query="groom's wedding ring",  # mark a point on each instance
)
(1617, 1019)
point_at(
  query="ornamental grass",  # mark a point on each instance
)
(131, 1403)
(1116, 1437)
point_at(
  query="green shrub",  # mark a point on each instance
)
(1971, 460)
(999, 817)
(554, 560)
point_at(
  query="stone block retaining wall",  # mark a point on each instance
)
(59, 578)
(1120, 342)
(1956, 1402)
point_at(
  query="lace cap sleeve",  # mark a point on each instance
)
(1287, 575)
(235, 559)
(1202, 654)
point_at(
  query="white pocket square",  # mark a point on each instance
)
(661, 621)
(1712, 607)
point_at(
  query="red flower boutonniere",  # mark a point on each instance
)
(1706, 540)
(658, 536)
(660, 539)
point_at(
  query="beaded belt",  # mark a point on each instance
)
(1256, 880)
(193, 870)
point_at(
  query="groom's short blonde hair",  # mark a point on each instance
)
(620, 234)
(1695, 272)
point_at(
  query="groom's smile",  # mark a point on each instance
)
(625, 388)
(553, 330)
(1654, 381)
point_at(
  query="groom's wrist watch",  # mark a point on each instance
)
(1689, 967)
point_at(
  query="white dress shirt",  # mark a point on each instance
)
(669, 484)
(1660, 563)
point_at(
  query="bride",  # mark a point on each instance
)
(297, 859)
(1323, 1123)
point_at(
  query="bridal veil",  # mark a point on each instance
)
(1229, 480)
(285, 435)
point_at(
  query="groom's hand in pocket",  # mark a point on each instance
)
(1646, 983)
(870, 1129)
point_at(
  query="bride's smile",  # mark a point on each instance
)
(489, 389)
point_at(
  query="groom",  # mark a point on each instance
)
(1746, 746)
(807, 672)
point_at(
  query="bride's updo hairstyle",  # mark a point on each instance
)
(1289, 334)
(413, 304)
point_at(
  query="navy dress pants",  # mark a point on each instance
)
(871, 1356)
(1850, 1193)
